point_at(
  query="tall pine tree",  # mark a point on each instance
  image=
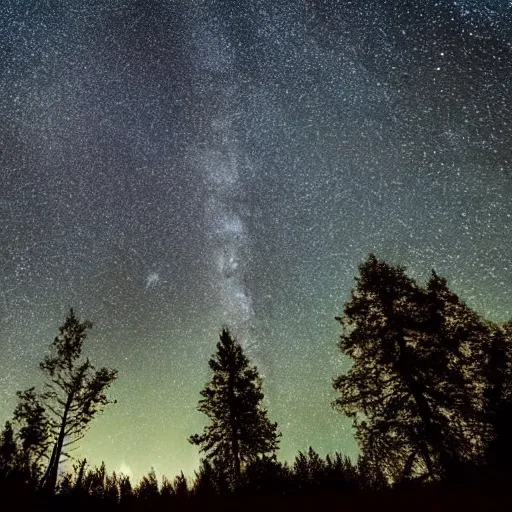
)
(74, 392)
(239, 431)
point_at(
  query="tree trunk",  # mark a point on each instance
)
(42, 484)
(236, 455)
(234, 432)
(405, 367)
(50, 480)
(433, 435)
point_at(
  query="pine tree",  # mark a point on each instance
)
(266, 475)
(308, 470)
(180, 486)
(340, 474)
(94, 481)
(9, 451)
(33, 429)
(125, 490)
(166, 491)
(409, 390)
(209, 480)
(240, 431)
(147, 489)
(74, 393)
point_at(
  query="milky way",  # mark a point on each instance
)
(220, 159)
(171, 167)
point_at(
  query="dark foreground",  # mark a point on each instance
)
(392, 500)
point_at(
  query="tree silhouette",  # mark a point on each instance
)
(450, 353)
(167, 495)
(95, 481)
(308, 469)
(74, 392)
(33, 431)
(209, 480)
(180, 486)
(409, 390)
(240, 430)
(125, 490)
(268, 476)
(9, 451)
(497, 379)
(340, 474)
(370, 476)
(147, 489)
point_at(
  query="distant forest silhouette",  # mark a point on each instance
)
(429, 392)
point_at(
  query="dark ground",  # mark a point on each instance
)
(410, 501)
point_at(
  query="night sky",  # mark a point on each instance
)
(170, 167)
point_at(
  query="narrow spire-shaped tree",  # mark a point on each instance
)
(74, 392)
(240, 431)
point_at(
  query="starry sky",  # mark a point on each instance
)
(168, 167)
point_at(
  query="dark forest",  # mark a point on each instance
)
(429, 393)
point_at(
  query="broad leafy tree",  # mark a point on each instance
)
(410, 390)
(239, 431)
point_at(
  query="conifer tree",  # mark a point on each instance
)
(409, 390)
(8, 451)
(239, 431)
(74, 392)
(147, 489)
(33, 430)
(166, 491)
(308, 469)
(180, 486)
(209, 480)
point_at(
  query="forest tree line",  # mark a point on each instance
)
(428, 392)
